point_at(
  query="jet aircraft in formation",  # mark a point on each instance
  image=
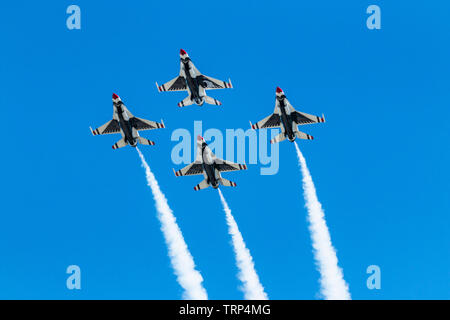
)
(207, 164)
(287, 119)
(127, 125)
(210, 166)
(194, 82)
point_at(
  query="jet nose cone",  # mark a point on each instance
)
(279, 90)
(115, 96)
(182, 52)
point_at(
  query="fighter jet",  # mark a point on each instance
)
(194, 82)
(287, 118)
(210, 166)
(127, 125)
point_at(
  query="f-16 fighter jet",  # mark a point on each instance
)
(194, 82)
(287, 118)
(127, 125)
(210, 166)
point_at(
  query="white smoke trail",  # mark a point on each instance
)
(333, 285)
(253, 290)
(180, 257)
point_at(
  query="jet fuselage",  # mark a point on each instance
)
(209, 167)
(125, 125)
(286, 119)
(191, 82)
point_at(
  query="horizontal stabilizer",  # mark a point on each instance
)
(146, 141)
(119, 144)
(227, 183)
(202, 185)
(302, 135)
(212, 101)
(186, 102)
(278, 138)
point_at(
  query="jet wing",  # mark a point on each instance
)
(223, 165)
(192, 169)
(272, 121)
(142, 124)
(177, 84)
(211, 83)
(108, 128)
(304, 118)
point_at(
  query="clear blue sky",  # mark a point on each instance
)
(380, 162)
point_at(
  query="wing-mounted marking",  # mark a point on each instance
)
(143, 124)
(177, 84)
(302, 118)
(211, 83)
(108, 128)
(223, 165)
(190, 170)
(272, 121)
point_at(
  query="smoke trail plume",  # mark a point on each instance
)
(253, 290)
(180, 257)
(333, 285)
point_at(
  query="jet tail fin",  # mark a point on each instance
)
(119, 144)
(202, 185)
(146, 141)
(227, 183)
(210, 100)
(278, 138)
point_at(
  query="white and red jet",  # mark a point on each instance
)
(288, 119)
(127, 125)
(210, 166)
(194, 82)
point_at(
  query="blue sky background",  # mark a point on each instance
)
(380, 162)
